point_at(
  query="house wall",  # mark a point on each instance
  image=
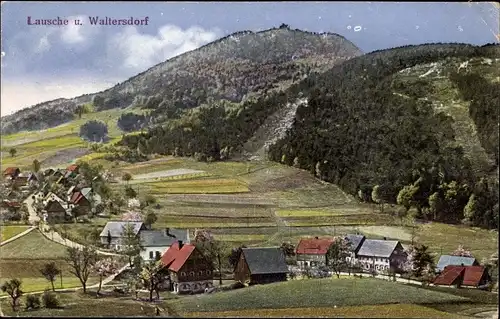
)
(56, 217)
(267, 278)
(369, 263)
(194, 276)
(115, 242)
(241, 271)
(308, 260)
(146, 253)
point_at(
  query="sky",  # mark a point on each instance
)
(41, 63)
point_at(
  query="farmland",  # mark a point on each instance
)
(7, 232)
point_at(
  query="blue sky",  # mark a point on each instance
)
(41, 63)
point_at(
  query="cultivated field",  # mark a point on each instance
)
(7, 232)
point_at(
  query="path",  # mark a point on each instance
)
(17, 236)
(33, 217)
(56, 237)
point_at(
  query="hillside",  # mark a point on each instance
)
(232, 68)
(417, 124)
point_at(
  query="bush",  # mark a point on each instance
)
(32, 302)
(237, 285)
(50, 300)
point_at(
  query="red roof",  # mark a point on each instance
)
(473, 275)
(465, 275)
(10, 170)
(72, 168)
(314, 246)
(174, 258)
(12, 204)
(76, 197)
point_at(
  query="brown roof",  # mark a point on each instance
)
(10, 170)
(314, 246)
(465, 275)
(54, 206)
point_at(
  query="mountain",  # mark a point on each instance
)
(415, 125)
(233, 68)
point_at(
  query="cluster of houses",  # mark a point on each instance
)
(75, 202)
(191, 272)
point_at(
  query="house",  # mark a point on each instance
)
(382, 255)
(81, 203)
(72, 170)
(11, 172)
(9, 210)
(21, 181)
(261, 265)
(190, 271)
(355, 243)
(112, 234)
(157, 242)
(463, 276)
(448, 260)
(312, 251)
(56, 212)
(32, 178)
(48, 172)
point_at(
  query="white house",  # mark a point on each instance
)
(157, 242)
(381, 255)
(113, 232)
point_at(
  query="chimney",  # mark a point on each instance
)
(180, 244)
(316, 237)
(385, 238)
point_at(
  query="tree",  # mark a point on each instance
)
(149, 200)
(288, 249)
(13, 289)
(13, 152)
(470, 209)
(131, 217)
(127, 177)
(462, 252)
(153, 275)
(81, 262)
(36, 165)
(130, 192)
(212, 249)
(109, 238)
(337, 255)
(422, 260)
(405, 196)
(150, 219)
(234, 256)
(104, 268)
(50, 272)
(377, 197)
(131, 242)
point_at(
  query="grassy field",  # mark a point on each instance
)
(370, 311)
(7, 232)
(32, 246)
(313, 293)
(199, 186)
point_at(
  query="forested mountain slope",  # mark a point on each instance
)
(416, 125)
(232, 68)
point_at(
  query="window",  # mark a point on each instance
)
(158, 255)
(208, 272)
(200, 273)
(191, 273)
(150, 255)
(183, 274)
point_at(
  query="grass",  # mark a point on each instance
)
(313, 293)
(446, 238)
(7, 232)
(368, 311)
(32, 284)
(32, 246)
(241, 238)
(310, 213)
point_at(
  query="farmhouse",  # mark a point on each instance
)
(11, 172)
(190, 271)
(458, 276)
(81, 203)
(448, 260)
(56, 212)
(261, 265)
(156, 242)
(382, 255)
(112, 234)
(21, 180)
(355, 243)
(312, 251)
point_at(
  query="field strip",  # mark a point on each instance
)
(167, 173)
(17, 236)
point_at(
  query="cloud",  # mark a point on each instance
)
(46, 63)
(141, 51)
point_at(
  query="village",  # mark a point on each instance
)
(170, 260)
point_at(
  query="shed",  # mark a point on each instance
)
(261, 265)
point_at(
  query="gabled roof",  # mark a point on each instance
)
(76, 197)
(355, 241)
(7, 203)
(449, 276)
(10, 170)
(70, 190)
(448, 260)
(174, 258)
(378, 248)
(314, 246)
(116, 228)
(270, 260)
(54, 206)
(86, 191)
(465, 275)
(160, 238)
